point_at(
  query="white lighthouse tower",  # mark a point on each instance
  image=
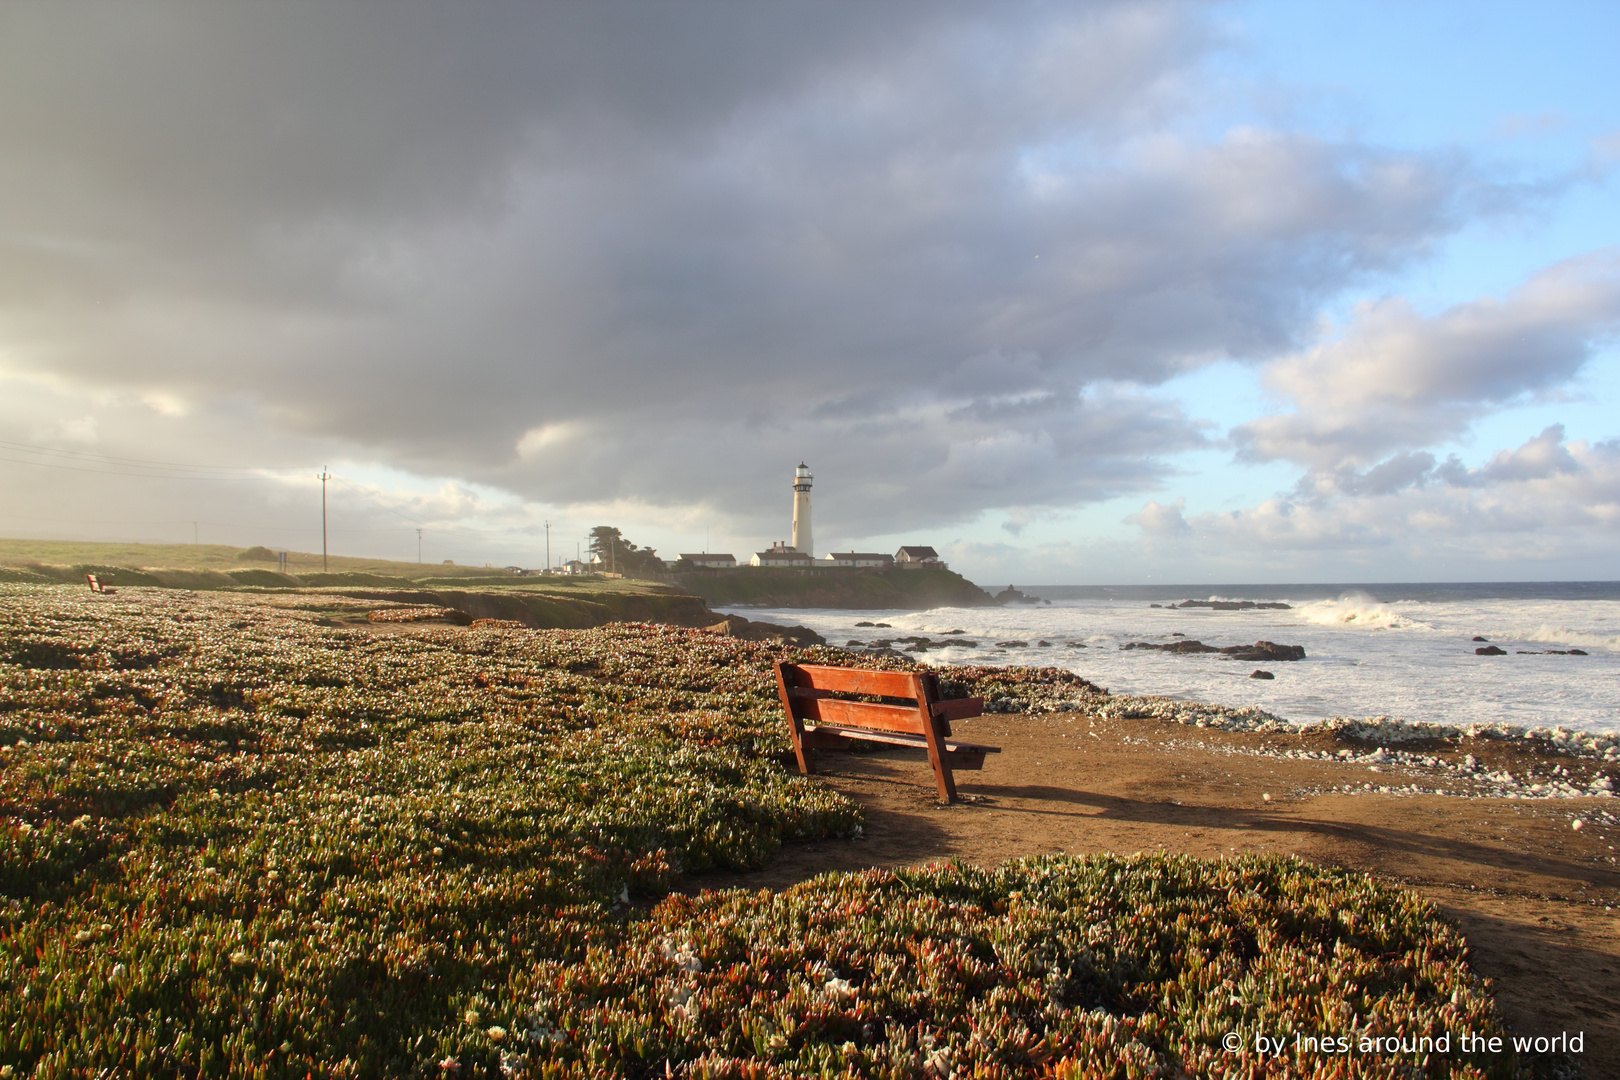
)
(801, 510)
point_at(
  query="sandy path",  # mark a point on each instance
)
(1538, 901)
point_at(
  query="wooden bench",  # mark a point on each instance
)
(97, 587)
(808, 697)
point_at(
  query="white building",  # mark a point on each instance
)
(914, 557)
(705, 561)
(801, 511)
(856, 558)
(782, 555)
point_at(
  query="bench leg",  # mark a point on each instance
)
(795, 725)
(939, 759)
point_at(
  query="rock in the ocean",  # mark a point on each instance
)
(1010, 595)
(1478, 638)
(1260, 650)
(1258, 674)
(1172, 647)
(1265, 650)
(1232, 605)
(1490, 650)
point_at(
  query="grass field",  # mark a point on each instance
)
(216, 557)
(237, 842)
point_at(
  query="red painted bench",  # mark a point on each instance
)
(821, 720)
(97, 587)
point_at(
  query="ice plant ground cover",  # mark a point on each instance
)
(235, 841)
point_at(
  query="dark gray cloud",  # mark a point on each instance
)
(659, 253)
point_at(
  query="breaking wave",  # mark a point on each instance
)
(1358, 609)
(1563, 635)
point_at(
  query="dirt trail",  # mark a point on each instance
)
(1537, 900)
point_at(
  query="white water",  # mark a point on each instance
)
(1411, 659)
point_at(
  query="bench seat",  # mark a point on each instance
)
(963, 755)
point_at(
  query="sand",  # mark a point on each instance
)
(1538, 900)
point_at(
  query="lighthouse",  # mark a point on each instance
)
(801, 510)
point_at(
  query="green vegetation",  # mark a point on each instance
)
(541, 601)
(833, 588)
(68, 555)
(541, 606)
(238, 841)
(1067, 967)
(620, 556)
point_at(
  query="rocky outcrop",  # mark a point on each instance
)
(1265, 650)
(738, 627)
(1233, 605)
(1258, 674)
(1010, 595)
(1260, 650)
(553, 612)
(1490, 650)
(857, 590)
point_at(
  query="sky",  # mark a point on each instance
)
(1077, 293)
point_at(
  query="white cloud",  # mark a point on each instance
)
(1158, 520)
(1397, 380)
(80, 431)
(1547, 500)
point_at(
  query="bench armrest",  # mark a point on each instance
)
(958, 708)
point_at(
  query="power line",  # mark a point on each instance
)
(141, 471)
(363, 493)
(61, 452)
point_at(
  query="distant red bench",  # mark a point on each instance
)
(819, 720)
(97, 587)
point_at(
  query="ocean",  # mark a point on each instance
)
(1400, 650)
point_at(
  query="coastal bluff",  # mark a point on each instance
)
(916, 590)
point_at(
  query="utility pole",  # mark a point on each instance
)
(418, 545)
(325, 476)
(548, 547)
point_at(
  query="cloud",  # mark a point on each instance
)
(1158, 520)
(1548, 499)
(79, 431)
(613, 255)
(553, 437)
(1397, 380)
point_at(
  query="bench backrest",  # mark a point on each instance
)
(808, 689)
(95, 583)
